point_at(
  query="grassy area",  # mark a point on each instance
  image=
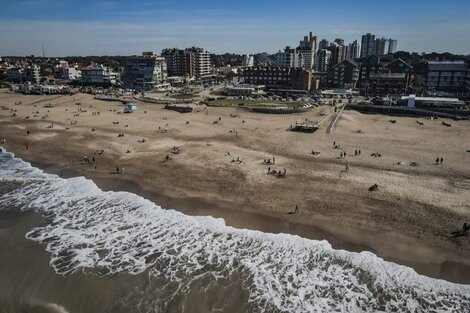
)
(183, 97)
(254, 103)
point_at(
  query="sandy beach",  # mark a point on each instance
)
(408, 220)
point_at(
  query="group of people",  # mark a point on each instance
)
(277, 173)
(439, 161)
(269, 161)
(87, 160)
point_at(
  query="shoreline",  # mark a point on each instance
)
(441, 263)
(407, 221)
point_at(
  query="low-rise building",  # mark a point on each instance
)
(32, 74)
(69, 73)
(244, 90)
(446, 77)
(99, 75)
(431, 102)
(277, 77)
(345, 74)
(380, 84)
(378, 78)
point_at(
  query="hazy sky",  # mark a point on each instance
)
(92, 27)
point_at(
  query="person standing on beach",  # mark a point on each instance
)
(117, 169)
(442, 160)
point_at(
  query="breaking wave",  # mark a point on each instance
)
(105, 233)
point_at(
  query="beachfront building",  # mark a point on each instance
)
(32, 73)
(278, 77)
(431, 102)
(144, 72)
(69, 73)
(194, 63)
(379, 78)
(446, 77)
(98, 75)
(345, 74)
(14, 74)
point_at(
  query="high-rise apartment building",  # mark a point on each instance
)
(392, 46)
(354, 50)
(323, 60)
(285, 58)
(306, 52)
(380, 46)
(339, 41)
(367, 45)
(323, 44)
(147, 68)
(193, 62)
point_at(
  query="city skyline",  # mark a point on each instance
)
(127, 28)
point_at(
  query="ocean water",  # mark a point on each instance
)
(194, 259)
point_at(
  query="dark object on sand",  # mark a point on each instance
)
(420, 123)
(374, 187)
(446, 124)
(393, 121)
(296, 210)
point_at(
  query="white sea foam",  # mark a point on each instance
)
(114, 232)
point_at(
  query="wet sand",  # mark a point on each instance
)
(407, 221)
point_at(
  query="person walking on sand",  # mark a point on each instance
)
(117, 169)
(442, 160)
(269, 170)
(437, 160)
(274, 160)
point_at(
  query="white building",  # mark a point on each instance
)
(225, 70)
(98, 74)
(248, 60)
(285, 58)
(70, 73)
